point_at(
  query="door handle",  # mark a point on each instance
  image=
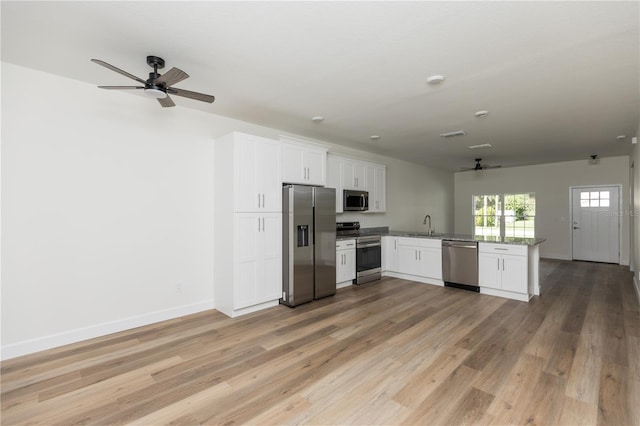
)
(503, 264)
(258, 224)
(576, 227)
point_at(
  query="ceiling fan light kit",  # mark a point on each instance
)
(158, 86)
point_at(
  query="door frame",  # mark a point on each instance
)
(619, 186)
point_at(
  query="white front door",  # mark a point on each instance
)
(596, 223)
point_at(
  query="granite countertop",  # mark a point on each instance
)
(477, 238)
(384, 231)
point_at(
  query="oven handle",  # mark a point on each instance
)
(365, 245)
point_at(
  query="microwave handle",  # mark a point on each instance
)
(363, 201)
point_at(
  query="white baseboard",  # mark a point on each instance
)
(636, 285)
(416, 278)
(556, 256)
(29, 346)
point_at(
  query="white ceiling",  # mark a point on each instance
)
(560, 79)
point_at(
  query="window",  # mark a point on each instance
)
(594, 199)
(516, 219)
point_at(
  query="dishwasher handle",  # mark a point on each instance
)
(460, 244)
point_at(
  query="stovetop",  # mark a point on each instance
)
(352, 229)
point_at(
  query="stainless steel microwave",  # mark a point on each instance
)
(355, 201)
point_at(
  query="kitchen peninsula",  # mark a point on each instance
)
(507, 267)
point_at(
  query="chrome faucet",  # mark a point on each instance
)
(429, 230)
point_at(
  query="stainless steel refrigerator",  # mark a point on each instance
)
(309, 243)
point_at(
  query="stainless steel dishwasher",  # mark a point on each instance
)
(460, 264)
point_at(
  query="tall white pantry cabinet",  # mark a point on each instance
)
(248, 219)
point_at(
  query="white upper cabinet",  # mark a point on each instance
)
(256, 174)
(354, 176)
(350, 173)
(377, 187)
(303, 163)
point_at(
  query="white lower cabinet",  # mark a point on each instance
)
(258, 259)
(503, 268)
(345, 262)
(390, 254)
(251, 276)
(420, 257)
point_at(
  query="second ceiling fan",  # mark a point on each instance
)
(479, 166)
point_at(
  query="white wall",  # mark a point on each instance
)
(551, 183)
(107, 208)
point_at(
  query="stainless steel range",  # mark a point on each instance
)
(368, 251)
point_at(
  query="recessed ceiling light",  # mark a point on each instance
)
(374, 137)
(435, 79)
(482, 113)
(317, 119)
(456, 133)
(484, 145)
(621, 137)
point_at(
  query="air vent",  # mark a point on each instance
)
(452, 134)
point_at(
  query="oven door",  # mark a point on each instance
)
(368, 260)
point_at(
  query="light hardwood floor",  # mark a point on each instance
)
(395, 352)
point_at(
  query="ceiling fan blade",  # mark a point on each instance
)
(171, 77)
(118, 70)
(491, 167)
(166, 102)
(191, 95)
(120, 87)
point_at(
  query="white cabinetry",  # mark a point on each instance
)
(257, 178)
(421, 257)
(390, 254)
(303, 163)
(354, 176)
(349, 173)
(248, 269)
(258, 254)
(417, 259)
(376, 185)
(503, 270)
(345, 262)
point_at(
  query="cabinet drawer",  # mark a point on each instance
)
(420, 242)
(512, 249)
(345, 244)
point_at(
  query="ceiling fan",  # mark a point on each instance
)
(479, 166)
(158, 86)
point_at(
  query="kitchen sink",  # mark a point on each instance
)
(424, 234)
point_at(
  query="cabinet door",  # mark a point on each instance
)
(247, 268)
(334, 179)
(390, 254)
(380, 189)
(345, 265)
(268, 179)
(430, 261)
(270, 280)
(489, 270)
(354, 175)
(292, 164)
(376, 185)
(315, 166)
(350, 265)
(407, 260)
(247, 196)
(514, 273)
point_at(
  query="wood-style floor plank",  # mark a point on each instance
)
(393, 352)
